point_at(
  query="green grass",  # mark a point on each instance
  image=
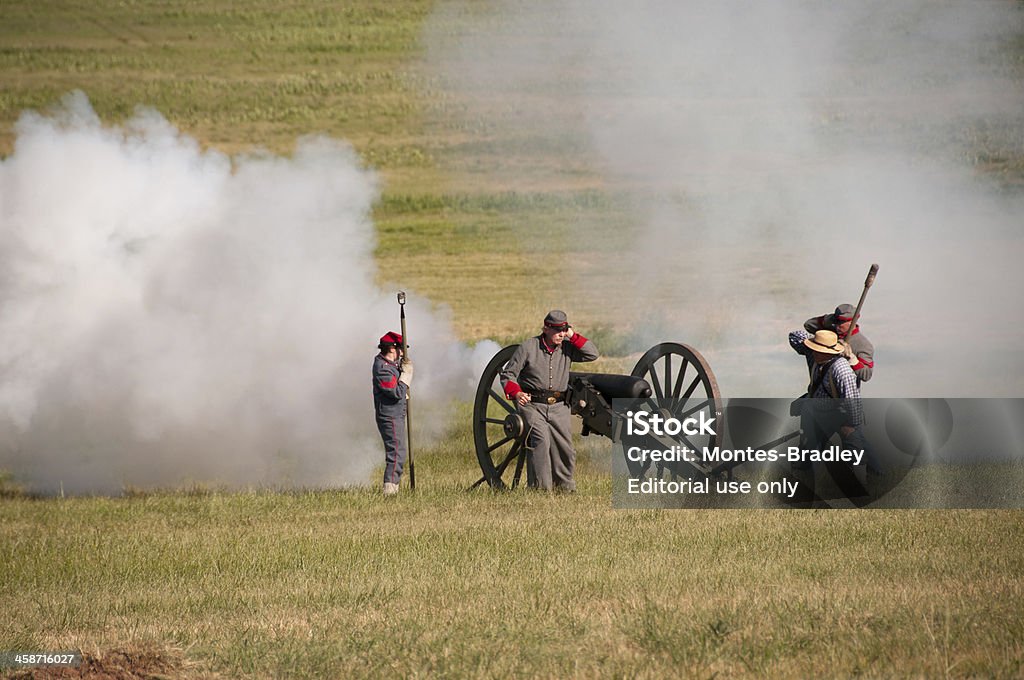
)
(260, 75)
(476, 207)
(450, 583)
(445, 582)
(235, 76)
(455, 583)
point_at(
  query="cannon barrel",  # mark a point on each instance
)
(613, 386)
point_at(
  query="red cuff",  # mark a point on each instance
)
(577, 341)
(389, 384)
(512, 389)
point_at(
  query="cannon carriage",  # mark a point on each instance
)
(670, 377)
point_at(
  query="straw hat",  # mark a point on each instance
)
(825, 342)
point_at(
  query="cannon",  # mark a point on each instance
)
(669, 377)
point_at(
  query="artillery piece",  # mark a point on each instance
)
(670, 379)
(668, 376)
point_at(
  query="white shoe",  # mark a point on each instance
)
(390, 489)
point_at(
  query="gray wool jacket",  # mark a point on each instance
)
(861, 346)
(536, 367)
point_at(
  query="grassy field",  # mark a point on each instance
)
(236, 80)
(448, 583)
(475, 204)
(453, 584)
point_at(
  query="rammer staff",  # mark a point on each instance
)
(867, 284)
(408, 396)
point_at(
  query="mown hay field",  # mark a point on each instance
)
(336, 583)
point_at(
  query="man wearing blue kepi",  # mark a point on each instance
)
(536, 380)
(392, 376)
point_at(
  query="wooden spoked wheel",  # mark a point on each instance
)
(683, 386)
(498, 432)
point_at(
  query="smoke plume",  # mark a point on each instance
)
(172, 315)
(770, 152)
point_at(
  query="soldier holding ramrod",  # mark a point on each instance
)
(836, 369)
(857, 350)
(392, 376)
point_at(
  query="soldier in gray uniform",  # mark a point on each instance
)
(392, 375)
(859, 351)
(536, 379)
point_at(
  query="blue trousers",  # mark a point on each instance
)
(396, 447)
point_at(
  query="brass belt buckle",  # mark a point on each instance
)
(551, 400)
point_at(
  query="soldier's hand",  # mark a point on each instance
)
(523, 398)
(569, 332)
(848, 352)
(407, 372)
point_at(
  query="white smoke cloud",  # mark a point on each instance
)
(772, 151)
(172, 315)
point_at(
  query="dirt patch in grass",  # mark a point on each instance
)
(150, 664)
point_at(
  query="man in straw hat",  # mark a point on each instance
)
(392, 375)
(835, 402)
(858, 350)
(536, 379)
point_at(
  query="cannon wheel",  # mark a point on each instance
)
(498, 431)
(678, 376)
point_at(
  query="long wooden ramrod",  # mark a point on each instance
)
(408, 397)
(864, 293)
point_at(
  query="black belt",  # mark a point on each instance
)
(546, 397)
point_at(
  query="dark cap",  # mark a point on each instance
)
(844, 313)
(556, 319)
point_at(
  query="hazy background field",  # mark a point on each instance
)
(192, 295)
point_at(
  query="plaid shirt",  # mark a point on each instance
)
(838, 374)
